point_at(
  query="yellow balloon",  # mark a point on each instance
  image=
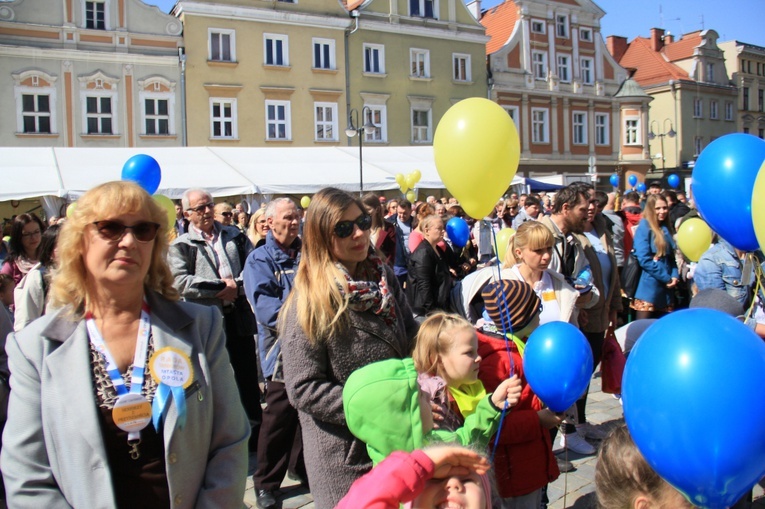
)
(411, 181)
(758, 207)
(411, 196)
(693, 238)
(503, 239)
(417, 175)
(477, 151)
(400, 180)
(167, 204)
(305, 201)
(70, 209)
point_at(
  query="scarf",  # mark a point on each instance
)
(370, 292)
(468, 396)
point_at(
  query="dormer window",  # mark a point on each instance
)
(95, 15)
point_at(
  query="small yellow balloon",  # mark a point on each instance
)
(477, 151)
(503, 240)
(758, 207)
(694, 238)
(70, 209)
(417, 175)
(400, 179)
(305, 201)
(167, 204)
(411, 181)
(411, 196)
(7, 238)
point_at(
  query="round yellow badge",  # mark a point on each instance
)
(172, 367)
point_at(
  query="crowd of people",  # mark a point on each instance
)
(353, 346)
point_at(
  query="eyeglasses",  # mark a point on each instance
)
(344, 229)
(144, 231)
(200, 209)
(226, 214)
(31, 234)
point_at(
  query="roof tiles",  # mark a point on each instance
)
(654, 67)
(499, 22)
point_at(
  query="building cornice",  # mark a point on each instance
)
(87, 56)
(266, 15)
(435, 29)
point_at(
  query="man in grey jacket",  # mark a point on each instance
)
(207, 264)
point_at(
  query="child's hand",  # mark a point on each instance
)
(438, 414)
(549, 419)
(451, 460)
(508, 391)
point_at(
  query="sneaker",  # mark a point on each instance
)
(577, 444)
(587, 430)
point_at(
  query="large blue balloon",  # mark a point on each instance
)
(632, 180)
(458, 231)
(673, 181)
(144, 171)
(641, 187)
(693, 393)
(558, 364)
(614, 179)
(728, 167)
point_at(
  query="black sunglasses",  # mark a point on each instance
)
(344, 229)
(144, 231)
(200, 209)
(226, 214)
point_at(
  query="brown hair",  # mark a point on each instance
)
(434, 339)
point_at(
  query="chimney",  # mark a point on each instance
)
(617, 46)
(668, 38)
(657, 39)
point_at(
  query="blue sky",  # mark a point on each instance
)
(732, 19)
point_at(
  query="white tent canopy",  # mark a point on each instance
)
(67, 173)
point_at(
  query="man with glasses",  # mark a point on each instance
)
(268, 278)
(207, 264)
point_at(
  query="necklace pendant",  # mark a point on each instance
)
(134, 452)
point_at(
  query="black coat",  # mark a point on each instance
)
(430, 281)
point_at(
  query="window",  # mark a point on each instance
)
(698, 143)
(222, 45)
(761, 133)
(278, 120)
(374, 58)
(156, 116)
(98, 114)
(713, 109)
(632, 131)
(223, 118)
(36, 113)
(746, 130)
(698, 108)
(580, 127)
(419, 63)
(423, 8)
(276, 49)
(710, 73)
(95, 15)
(376, 114)
(325, 121)
(540, 132)
(461, 67)
(760, 99)
(564, 68)
(420, 126)
(561, 26)
(586, 65)
(323, 54)
(539, 62)
(514, 114)
(538, 26)
(601, 129)
(585, 34)
(728, 110)
(745, 96)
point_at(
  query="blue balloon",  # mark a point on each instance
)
(557, 363)
(693, 401)
(632, 180)
(673, 181)
(728, 167)
(143, 170)
(458, 231)
(641, 187)
(614, 179)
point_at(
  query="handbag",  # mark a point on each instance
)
(631, 275)
(612, 364)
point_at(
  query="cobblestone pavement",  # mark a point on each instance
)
(574, 490)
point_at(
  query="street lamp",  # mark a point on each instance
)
(352, 131)
(652, 136)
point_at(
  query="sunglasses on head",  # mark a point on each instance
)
(344, 229)
(145, 231)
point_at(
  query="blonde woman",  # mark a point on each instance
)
(345, 311)
(258, 228)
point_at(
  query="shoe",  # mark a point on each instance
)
(297, 478)
(564, 466)
(577, 444)
(264, 499)
(587, 430)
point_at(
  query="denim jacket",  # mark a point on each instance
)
(720, 267)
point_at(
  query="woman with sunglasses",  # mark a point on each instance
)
(430, 281)
(345, 311)
(24, 247)
(123, 397)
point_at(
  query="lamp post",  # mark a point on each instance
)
(352, 130)
(652, 136)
